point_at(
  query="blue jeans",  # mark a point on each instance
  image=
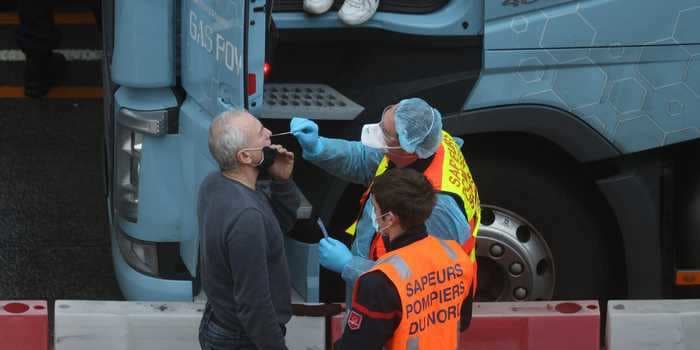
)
(215, 337)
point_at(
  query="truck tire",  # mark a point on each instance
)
(551, 205)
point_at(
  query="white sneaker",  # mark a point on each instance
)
(317, 7)
(354, 12)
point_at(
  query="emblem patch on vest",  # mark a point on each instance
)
(354, 321)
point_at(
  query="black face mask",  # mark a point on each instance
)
(269, 154)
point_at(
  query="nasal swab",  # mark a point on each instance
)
(282, 133)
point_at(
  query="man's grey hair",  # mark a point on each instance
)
(225, 140)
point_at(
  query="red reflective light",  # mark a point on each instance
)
(251, 84)
(266, 69)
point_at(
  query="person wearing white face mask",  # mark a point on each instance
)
(409, 135)
(244, 268)
(419, 294)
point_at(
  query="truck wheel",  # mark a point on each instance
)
(546, 232)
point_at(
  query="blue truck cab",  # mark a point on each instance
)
(580, 120)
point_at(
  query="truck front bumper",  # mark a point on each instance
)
(135, 285)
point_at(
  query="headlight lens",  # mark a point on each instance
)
(128, 169)
(140, 255)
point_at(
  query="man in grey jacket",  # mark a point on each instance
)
(244, 267)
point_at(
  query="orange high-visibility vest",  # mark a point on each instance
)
(433, 278)
(449, 174)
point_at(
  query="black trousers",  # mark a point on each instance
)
(37, 33)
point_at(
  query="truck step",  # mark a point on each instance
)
(314, 101)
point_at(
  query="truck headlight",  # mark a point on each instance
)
(128, 168)
(131, 127)
(141, 256)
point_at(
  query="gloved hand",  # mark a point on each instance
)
(333, 254)
(306, 132)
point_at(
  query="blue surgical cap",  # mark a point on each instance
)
(418, 126)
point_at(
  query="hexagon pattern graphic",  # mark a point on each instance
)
(531, 70)
(569, 30)
(675, 108)
(640, 133)
(569, 84)
(617, 51)
(627, 95)
(686, 30)
(638, 96)
(693, 77)
(681, 135)
(663, 65)
(519, 24)
(607, 116)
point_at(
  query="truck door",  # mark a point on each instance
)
(223, 52)
(222, 59)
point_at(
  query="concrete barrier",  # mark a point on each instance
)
(305, 332)
(337, 327)
(570, 325)
(653, 324)
(121, 325)
(24, 324)
(535, 325)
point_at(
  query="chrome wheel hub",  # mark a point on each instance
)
(515, 262)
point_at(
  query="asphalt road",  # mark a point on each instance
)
(54, 242)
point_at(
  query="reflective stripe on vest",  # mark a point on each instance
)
(399, 265)
(412, 343)
(449, 174)
(432, 278)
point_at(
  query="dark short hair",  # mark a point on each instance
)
(406, 193)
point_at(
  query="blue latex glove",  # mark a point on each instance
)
(306, 132)
(333, 254)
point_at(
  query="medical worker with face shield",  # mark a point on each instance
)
(409, 135)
